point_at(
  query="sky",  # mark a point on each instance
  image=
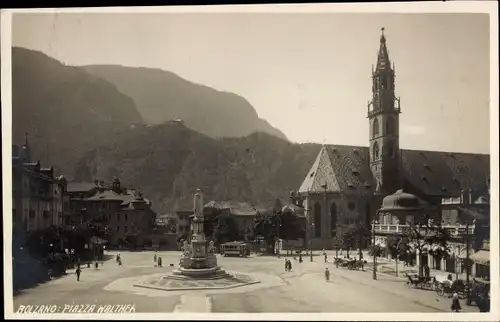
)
(308, 74)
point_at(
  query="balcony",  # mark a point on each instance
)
(454, 231)
(373, 112)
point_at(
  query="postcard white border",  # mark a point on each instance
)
(489, 7)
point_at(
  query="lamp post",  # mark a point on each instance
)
(467, 256)
(310, 241)
(278, 222)
(374, 253)
(397, 256)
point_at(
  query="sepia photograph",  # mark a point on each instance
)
(239, 159)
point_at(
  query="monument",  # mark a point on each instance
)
(198, 267)
(198, 259)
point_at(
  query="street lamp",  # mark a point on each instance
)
(310, 241)
(278, 223)
(374, 253)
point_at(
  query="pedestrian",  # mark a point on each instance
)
(455, 303)
(155, 259)
(289, 266)
(159, 262)
(300, 258)
(78, 272)
(286, 265)
(326, 257)
(327, 274)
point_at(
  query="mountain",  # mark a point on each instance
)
(64, 109)
(162, 96)
(170, 161)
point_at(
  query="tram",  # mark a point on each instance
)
(239, 249)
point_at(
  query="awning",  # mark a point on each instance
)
(481, 257)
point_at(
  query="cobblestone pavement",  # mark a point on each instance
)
(302, 290)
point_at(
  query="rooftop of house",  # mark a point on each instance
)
(236, 208)
(80, 186)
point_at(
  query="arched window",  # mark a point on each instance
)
(375, 151)
(376, 126)
(317, 220)
(333, 219)
(389, 126)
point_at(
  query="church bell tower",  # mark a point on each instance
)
(383, 116)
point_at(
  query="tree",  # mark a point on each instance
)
(226, 230)
(290, 227)
(78, 235)
(354, 236)
(278, 205)
(269, 224)
(423, 236)
(396, 247)
(265, 224)
(376, 250)
(129, 240)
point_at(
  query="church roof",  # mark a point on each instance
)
(345, 168)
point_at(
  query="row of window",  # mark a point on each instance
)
(125, 229)
(45, 214)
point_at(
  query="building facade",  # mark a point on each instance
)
(466, 221)
(37, 195)
(346, 184)
(126, 212)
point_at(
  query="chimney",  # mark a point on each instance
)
(463, 199)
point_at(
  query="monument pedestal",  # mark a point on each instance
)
(198, 267)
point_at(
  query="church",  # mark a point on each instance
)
(346, 184)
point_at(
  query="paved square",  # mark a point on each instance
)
(302, 290)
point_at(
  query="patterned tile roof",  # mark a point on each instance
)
(321, 174)
(346, 168)
(127, 197)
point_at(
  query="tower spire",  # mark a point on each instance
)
(383, 61)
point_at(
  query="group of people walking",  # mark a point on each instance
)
(288, 265)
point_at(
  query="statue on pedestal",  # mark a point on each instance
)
(186, 249)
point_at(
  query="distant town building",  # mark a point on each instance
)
(126, 211)
(243, 213)
(346, 184)
(37, 195)
(183, 228)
